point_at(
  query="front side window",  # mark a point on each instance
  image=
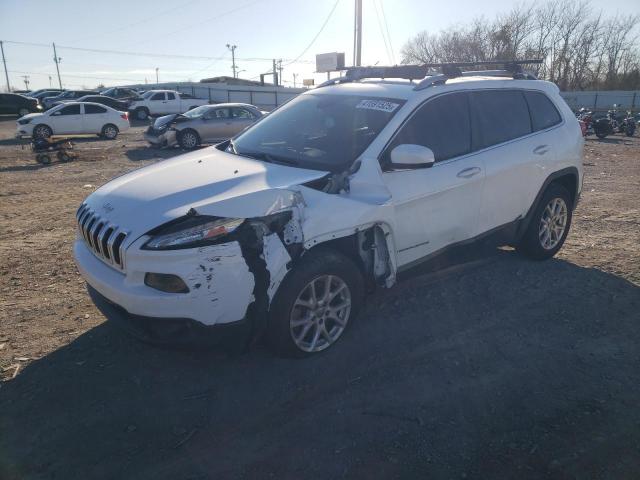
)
(94, 109)
(543, 113)
(498, 116)
(70, 110)
(158, 96)
(318, 131)
(222, 113)
(442, 124)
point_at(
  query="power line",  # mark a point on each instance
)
(317, 34)
(386, 26)
(147, 54)
(384, 38)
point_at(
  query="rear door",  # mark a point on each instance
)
(241, 118)
(67, 120)
(173, 103)
(95, 117)
(438, 206)
(513, 157)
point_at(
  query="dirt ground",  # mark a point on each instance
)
(495, 367)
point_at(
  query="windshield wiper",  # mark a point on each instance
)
(266, 157)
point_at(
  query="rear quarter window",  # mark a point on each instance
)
(498, 116)
(544, 114)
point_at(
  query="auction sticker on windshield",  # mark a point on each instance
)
(378, 105)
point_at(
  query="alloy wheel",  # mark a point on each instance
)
(189, 140)
(553, 223)
(110, 132)
(320, 313)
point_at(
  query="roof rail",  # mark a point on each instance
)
(511, 68)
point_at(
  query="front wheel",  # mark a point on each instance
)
(188, 139)
(630, 130)
(549, 225)
(315, 303)
(42, 131)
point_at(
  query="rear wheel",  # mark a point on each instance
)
(549, 224)
(109, 131)
(630, 130)
(42, 131)
(43, 159)
(189, 139)
(314, 304)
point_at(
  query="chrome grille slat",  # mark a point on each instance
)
(98, 232)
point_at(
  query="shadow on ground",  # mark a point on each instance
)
(497, 368)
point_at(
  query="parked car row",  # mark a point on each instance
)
(189, 123)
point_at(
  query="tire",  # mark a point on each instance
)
(23, 111)
(142, 113)
(600, 134)
(63, 157)
(109, 131)
(540, 242)
(630, 130)
(347, 286)
(43, 159)
(188, 139)
(42, 131)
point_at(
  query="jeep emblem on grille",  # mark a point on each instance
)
(107, 207)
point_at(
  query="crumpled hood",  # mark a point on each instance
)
(164, 120)
(210, 181)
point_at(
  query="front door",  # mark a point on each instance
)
(67, 120)
(438, 206)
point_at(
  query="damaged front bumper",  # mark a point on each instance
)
(163, 138)
(218, 278)
(172, 331)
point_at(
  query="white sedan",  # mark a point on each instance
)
(77, 118)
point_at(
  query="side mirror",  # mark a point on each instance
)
(56, 113)
(412, 156)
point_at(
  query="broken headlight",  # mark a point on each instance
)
(191, 232)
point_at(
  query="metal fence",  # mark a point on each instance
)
(602, 101)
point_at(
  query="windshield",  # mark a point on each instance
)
(108, 92)
(197, 112)
(321, 132)
(65, 95)
(148, 94)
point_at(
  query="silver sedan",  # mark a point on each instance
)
(205, 124)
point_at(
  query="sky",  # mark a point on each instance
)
(161, 33)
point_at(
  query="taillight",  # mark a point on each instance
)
(125, 116)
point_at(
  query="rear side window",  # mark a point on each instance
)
(498, 116)
(158, 96)
(71, 110)
(171, 96)
(543, 112)
(442, 124)
(240, 113)
(94, 109)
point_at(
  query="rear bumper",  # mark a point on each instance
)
(184, 332)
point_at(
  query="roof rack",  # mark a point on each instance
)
(428, 72)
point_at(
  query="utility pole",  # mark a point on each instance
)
(295, 77)
(275, 74)
(49, 81)
(26, 81)
(57, 60)
(6, 74)
(357, 35)
(233, 58)
(280, 70)
(157, 75)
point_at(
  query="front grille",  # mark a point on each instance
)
(103, 238)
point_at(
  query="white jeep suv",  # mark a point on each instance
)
(283, 229)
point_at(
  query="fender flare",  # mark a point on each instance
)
(524, 224)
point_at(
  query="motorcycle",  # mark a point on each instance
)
(585, 117)
(624, 125)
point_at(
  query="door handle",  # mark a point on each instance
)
(541, 149)
(468, 172)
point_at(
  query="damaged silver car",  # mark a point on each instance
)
(205, 124)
